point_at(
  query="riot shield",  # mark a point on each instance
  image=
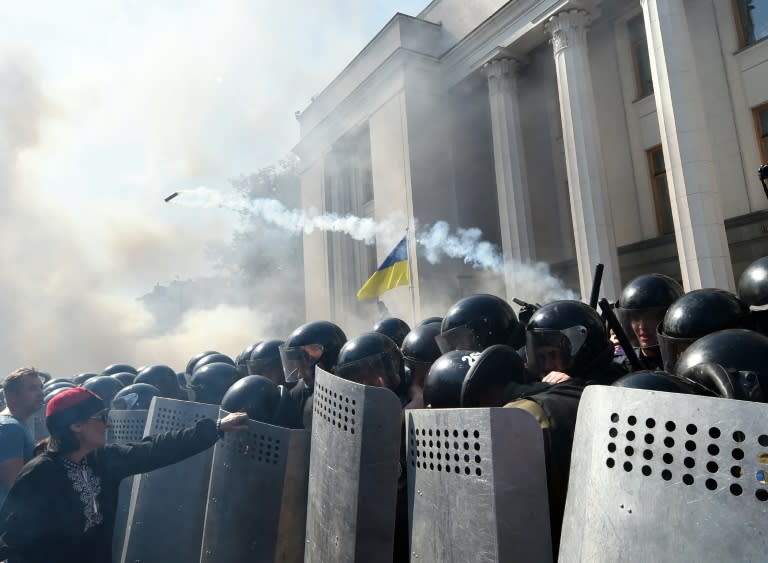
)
(477, 486)
(37, 426)
(353, 470)
(257, 499)
(666, 477)
(167, 508)
(124, 427)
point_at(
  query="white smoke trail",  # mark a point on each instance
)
(436, 241)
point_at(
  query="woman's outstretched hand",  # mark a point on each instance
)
(234, 422)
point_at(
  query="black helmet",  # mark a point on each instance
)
(315, 343)
(567, 336)
(211, 381)
(162, 377)
(642, 305)
(136, 397)
(488, 377)
(83, 377)
(393, 327)
(430, 320)
(255, 395)
(371, 359)
(52, 393)
(420, 350)
(190, 369)
(105, 387)
(655, 381)
(265, 360)
(442, 387)
(57, 385)
(479, 321)
(696, 314)
(57, 380)
(125, 378)
(119, 368)
(181, 377)
(753, 283)
(213, 359)
(241, 360)
(742, 354)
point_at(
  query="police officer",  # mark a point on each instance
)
(265, 360)
(567, 346)
(312, 344)
(393, 327)
(479, 321)
(420, 351)
(641, 308)
(753, 290)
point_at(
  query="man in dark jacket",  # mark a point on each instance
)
(62, 506)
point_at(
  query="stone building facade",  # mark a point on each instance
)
(572, 132)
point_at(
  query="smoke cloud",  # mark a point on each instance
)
(436, 242)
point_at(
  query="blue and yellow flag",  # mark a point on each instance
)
(392, 273)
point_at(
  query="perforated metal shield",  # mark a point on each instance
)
(37, 426)
(666, 477)
(353, 470)
(124, 427)
(167, 508)
(477, 486)
(257, 500)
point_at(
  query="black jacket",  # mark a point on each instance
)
(42, 519)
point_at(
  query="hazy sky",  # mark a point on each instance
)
(108, 106)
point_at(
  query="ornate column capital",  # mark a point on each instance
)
(567, 28)
(501, 67)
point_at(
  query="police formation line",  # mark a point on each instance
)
(614, 443)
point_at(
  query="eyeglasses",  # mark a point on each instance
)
(103, 416)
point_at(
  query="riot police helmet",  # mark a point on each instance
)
(58, 380)
(649, 380)
(57, 385)
(52, 393)
(241, 360)
(567, 336)
(265, 360)
(741, 353)
(81, 378)
(312, 344)
(442, 386)
(255, 395)
(393, 327)
(753, 284)
(105, 387)
(420, 350)
(371, 359)
(119, 368)
(137, 396)
(642, 305)
(210, 382)
(430, 320)
(479, 321)
(125, 378)
(213, 359)
(489, 375)
(696, 314)
(190, 369)
(163, 377)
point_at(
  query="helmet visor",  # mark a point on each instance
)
(554, 350)
(299, 361)
(671, 349)
(640, 325)
(459, 338)
(378, 370)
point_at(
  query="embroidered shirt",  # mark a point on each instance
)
(88, 486)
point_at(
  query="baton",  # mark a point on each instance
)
(762, 173)
(618, 330)
(596, 283)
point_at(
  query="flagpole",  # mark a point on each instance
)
(410, 273)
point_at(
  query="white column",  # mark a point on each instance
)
(697, 211)
(590, 211)
(509, 158)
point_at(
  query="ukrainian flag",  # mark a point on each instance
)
(392, 273)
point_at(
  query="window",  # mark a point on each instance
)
(661, 201)
(761, 127)
(640, 57)
(751, 20)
